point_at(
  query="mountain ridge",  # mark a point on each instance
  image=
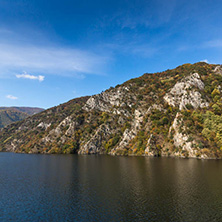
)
(12, 114)
(171, 113)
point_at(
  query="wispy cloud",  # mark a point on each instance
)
(216, 43)
(48, 60)
(11, 97)
(5, 31)
(133, 14)
(28, 76)
(144, 50)
(133, 48)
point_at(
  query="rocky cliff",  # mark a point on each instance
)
(173, 113)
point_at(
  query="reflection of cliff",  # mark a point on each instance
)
(150, 188)
(106, 188)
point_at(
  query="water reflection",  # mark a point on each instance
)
(98, 188)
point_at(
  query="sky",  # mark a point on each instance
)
(53, 51)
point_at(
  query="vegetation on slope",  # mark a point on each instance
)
(9, 115)
(134, 118)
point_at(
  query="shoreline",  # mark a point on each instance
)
(115, 155)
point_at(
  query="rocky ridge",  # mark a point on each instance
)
(173, 113)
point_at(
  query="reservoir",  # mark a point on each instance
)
(108, 188)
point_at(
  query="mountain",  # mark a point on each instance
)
(9, 115)
(28, 110)
(172, 113)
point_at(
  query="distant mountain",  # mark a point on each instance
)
(174, 113)
(9, 115)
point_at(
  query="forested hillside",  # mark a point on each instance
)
(9, 115)
(172, 113)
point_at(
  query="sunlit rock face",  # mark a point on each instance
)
(187, 92)
(218, 70)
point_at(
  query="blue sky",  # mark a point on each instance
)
(52, 51)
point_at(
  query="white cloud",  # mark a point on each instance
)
(205, 60)
(11, 97)
(28, 76)
(46, 60)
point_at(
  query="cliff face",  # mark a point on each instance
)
(173, 113)
(189, 90)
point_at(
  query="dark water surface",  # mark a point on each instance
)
(106, 188)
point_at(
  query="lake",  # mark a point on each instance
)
(108, 188)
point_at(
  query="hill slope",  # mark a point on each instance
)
(9, 115)
(172, 113)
